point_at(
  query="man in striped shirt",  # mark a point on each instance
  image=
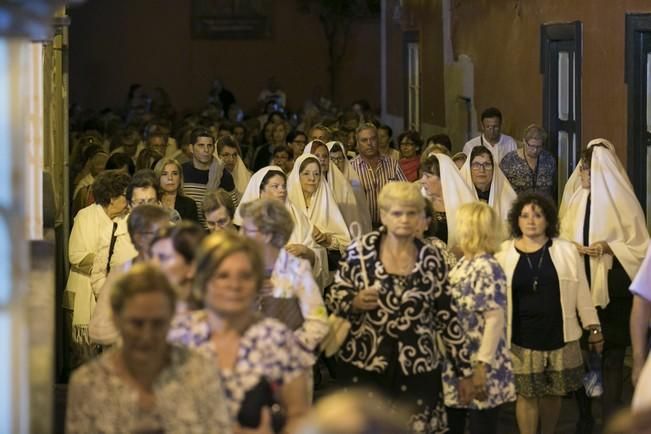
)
(204, 173)
(374, 169)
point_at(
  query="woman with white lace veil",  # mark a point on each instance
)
(341, 188)
(609, 230)
(311, 195)
(487, 181)
(271, 182)
(443, 185)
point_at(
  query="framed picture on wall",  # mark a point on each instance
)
(231, 19)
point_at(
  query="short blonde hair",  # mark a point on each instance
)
(212, 252)
(479, 229)
(402, 192)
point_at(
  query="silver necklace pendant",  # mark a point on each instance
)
(535, 284)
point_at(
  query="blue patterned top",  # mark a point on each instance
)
(268, 349)
(478, 285)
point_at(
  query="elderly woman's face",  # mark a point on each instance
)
(218, 220)
(171, 263)
(481, 171)
(532, 221)
(533, 147)
(323, 155)
(339, 159)
(250, 229)
(143, 324)
(432, 184)
(275, 188)
(117, 206)
(310, 177)
(402, 219)
(408, 148)
(232, 288)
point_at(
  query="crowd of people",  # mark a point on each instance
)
(215, 261)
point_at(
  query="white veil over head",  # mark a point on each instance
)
(616, 217)
(344, 194)
(323, 211)
(501, 195)
(455, 193)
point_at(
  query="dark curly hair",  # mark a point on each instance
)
(543, 202)
(110, 184)
(413, 136)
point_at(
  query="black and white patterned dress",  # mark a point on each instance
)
(394, 347)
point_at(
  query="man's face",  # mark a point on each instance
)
(158, 144)
(492, 128)
(203, 149)
(367, 143)
(143, 196)
(319, 134)
(229, 157)
(130, 147)
(238, 133)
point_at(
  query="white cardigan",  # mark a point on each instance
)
(574, 289)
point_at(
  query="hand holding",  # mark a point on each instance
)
(479, 381)
(466, 390)
(366, 299)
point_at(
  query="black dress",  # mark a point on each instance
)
(186, 208)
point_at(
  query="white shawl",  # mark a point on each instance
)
(345, 197)
(455, 193)
(615, 217)
(302, 233)
(501, 195)
(241, 175)
(323, 211)
(358, 189)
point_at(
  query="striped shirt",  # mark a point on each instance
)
(194, 186)
(374, 179)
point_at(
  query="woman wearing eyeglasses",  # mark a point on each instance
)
(487, 181)
(531, 167)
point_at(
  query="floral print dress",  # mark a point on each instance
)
(268, 350)
(478, 285)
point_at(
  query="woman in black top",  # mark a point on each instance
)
(547, 289)
(170, 174)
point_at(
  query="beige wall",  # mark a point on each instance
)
(114, 43)
(503, 40)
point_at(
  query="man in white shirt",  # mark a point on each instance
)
(492, 137)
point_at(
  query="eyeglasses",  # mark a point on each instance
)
(480, 166)
(534, 146)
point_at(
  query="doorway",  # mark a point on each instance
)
(560, 65)
(638, 80)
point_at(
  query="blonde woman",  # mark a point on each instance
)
(478, 287)
(393, 288)
(170, 175)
